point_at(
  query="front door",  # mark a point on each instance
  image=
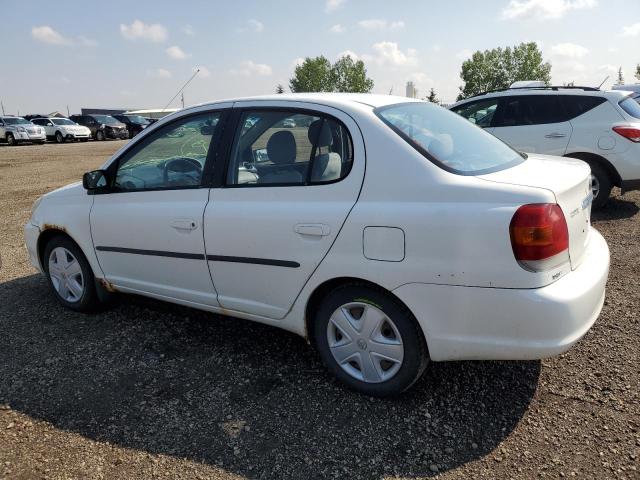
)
(293, 177)
(147, 230)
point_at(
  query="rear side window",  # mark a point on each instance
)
(576, 105)
(530, 110)
(480, 113)
(447, 139)
(278, 148)
(631, 106)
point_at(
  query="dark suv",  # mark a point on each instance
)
(102, 126)
(135, 123)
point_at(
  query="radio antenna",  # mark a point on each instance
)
(607, 78)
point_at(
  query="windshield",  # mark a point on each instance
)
(62, 121)
(447, 139)
(137, 119)
(631, 105)
(15, 121)
(104, 119)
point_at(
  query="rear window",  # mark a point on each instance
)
(631, 106)
(447, 139)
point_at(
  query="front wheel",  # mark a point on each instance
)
(100, 135)
(11, 140)
(369, 340)
(59, 138)
(70, 275)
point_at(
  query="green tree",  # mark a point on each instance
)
(620, 77)
(500, 67)
(349, 75)
(638, 71)
(432, 97)
(279, 88)
(319, 75)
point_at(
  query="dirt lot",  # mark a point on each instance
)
(150, 390)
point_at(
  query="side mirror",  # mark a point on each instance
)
(95, 180)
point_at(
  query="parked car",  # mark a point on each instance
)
(134, 123)
(102, 126)
(62, 129)
(601, 128)
(453, 246)
(15, 130)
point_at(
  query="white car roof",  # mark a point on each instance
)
(614, 95)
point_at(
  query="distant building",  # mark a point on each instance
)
(412, 91)
(103, 111)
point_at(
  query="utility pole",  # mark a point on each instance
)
(182, 99)
(2, 107)
(68, 114)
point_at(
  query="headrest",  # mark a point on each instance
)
(281, 147)
(325, 139)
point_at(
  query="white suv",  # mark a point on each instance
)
(14, 130)
(62, 129)
(601, 128)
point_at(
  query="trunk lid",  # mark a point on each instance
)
(570, 182)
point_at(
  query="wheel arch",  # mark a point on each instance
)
(599, 160)
(48, 232)
(323, 289)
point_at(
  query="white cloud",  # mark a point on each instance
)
(248, 68)
(608, 68)
(544, 9)
(177, 53)
(333, 5)
(388, 53)
(631, 30)
(204, 72)
(380, 24)
(569, 50)
(337, 28)
(256, 25)
(159, 73)
(420, 78)
(188, 30)
(153, 33)
(464, 54)
(296, 62)
(348, 53)
(47, 34)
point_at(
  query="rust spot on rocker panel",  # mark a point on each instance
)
(108, 286)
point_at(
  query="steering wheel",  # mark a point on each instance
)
(182, 165)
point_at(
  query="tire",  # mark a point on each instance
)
(396, 333)
(601, 185)
(69, 275)
(11, 140)
(59, 138)
(100, 135)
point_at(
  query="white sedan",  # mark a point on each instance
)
(387, 231)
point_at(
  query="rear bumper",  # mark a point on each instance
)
(31, 234)
(470, 323)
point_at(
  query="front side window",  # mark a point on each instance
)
(530, 110)
(289, 148)
(480, 113)
(447, 139)
(172, 157)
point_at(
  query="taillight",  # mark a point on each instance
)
(539, 236)
(630, 133)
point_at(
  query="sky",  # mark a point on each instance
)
(126, 54)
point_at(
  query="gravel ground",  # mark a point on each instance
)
(151, 390)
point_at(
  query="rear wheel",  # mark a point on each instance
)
(70, 275)
(59, 138)
(369, 340)
(601, 185)
(11, 139)
(100, 135)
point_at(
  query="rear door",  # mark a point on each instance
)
(294, 173)
(533, 123)
(479, 112)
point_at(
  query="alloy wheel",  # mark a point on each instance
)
(595, 186)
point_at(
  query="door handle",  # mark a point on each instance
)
(314, 229)
(555, 135)
(184, 224)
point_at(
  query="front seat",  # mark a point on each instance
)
(326, 166)
(281, 149)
